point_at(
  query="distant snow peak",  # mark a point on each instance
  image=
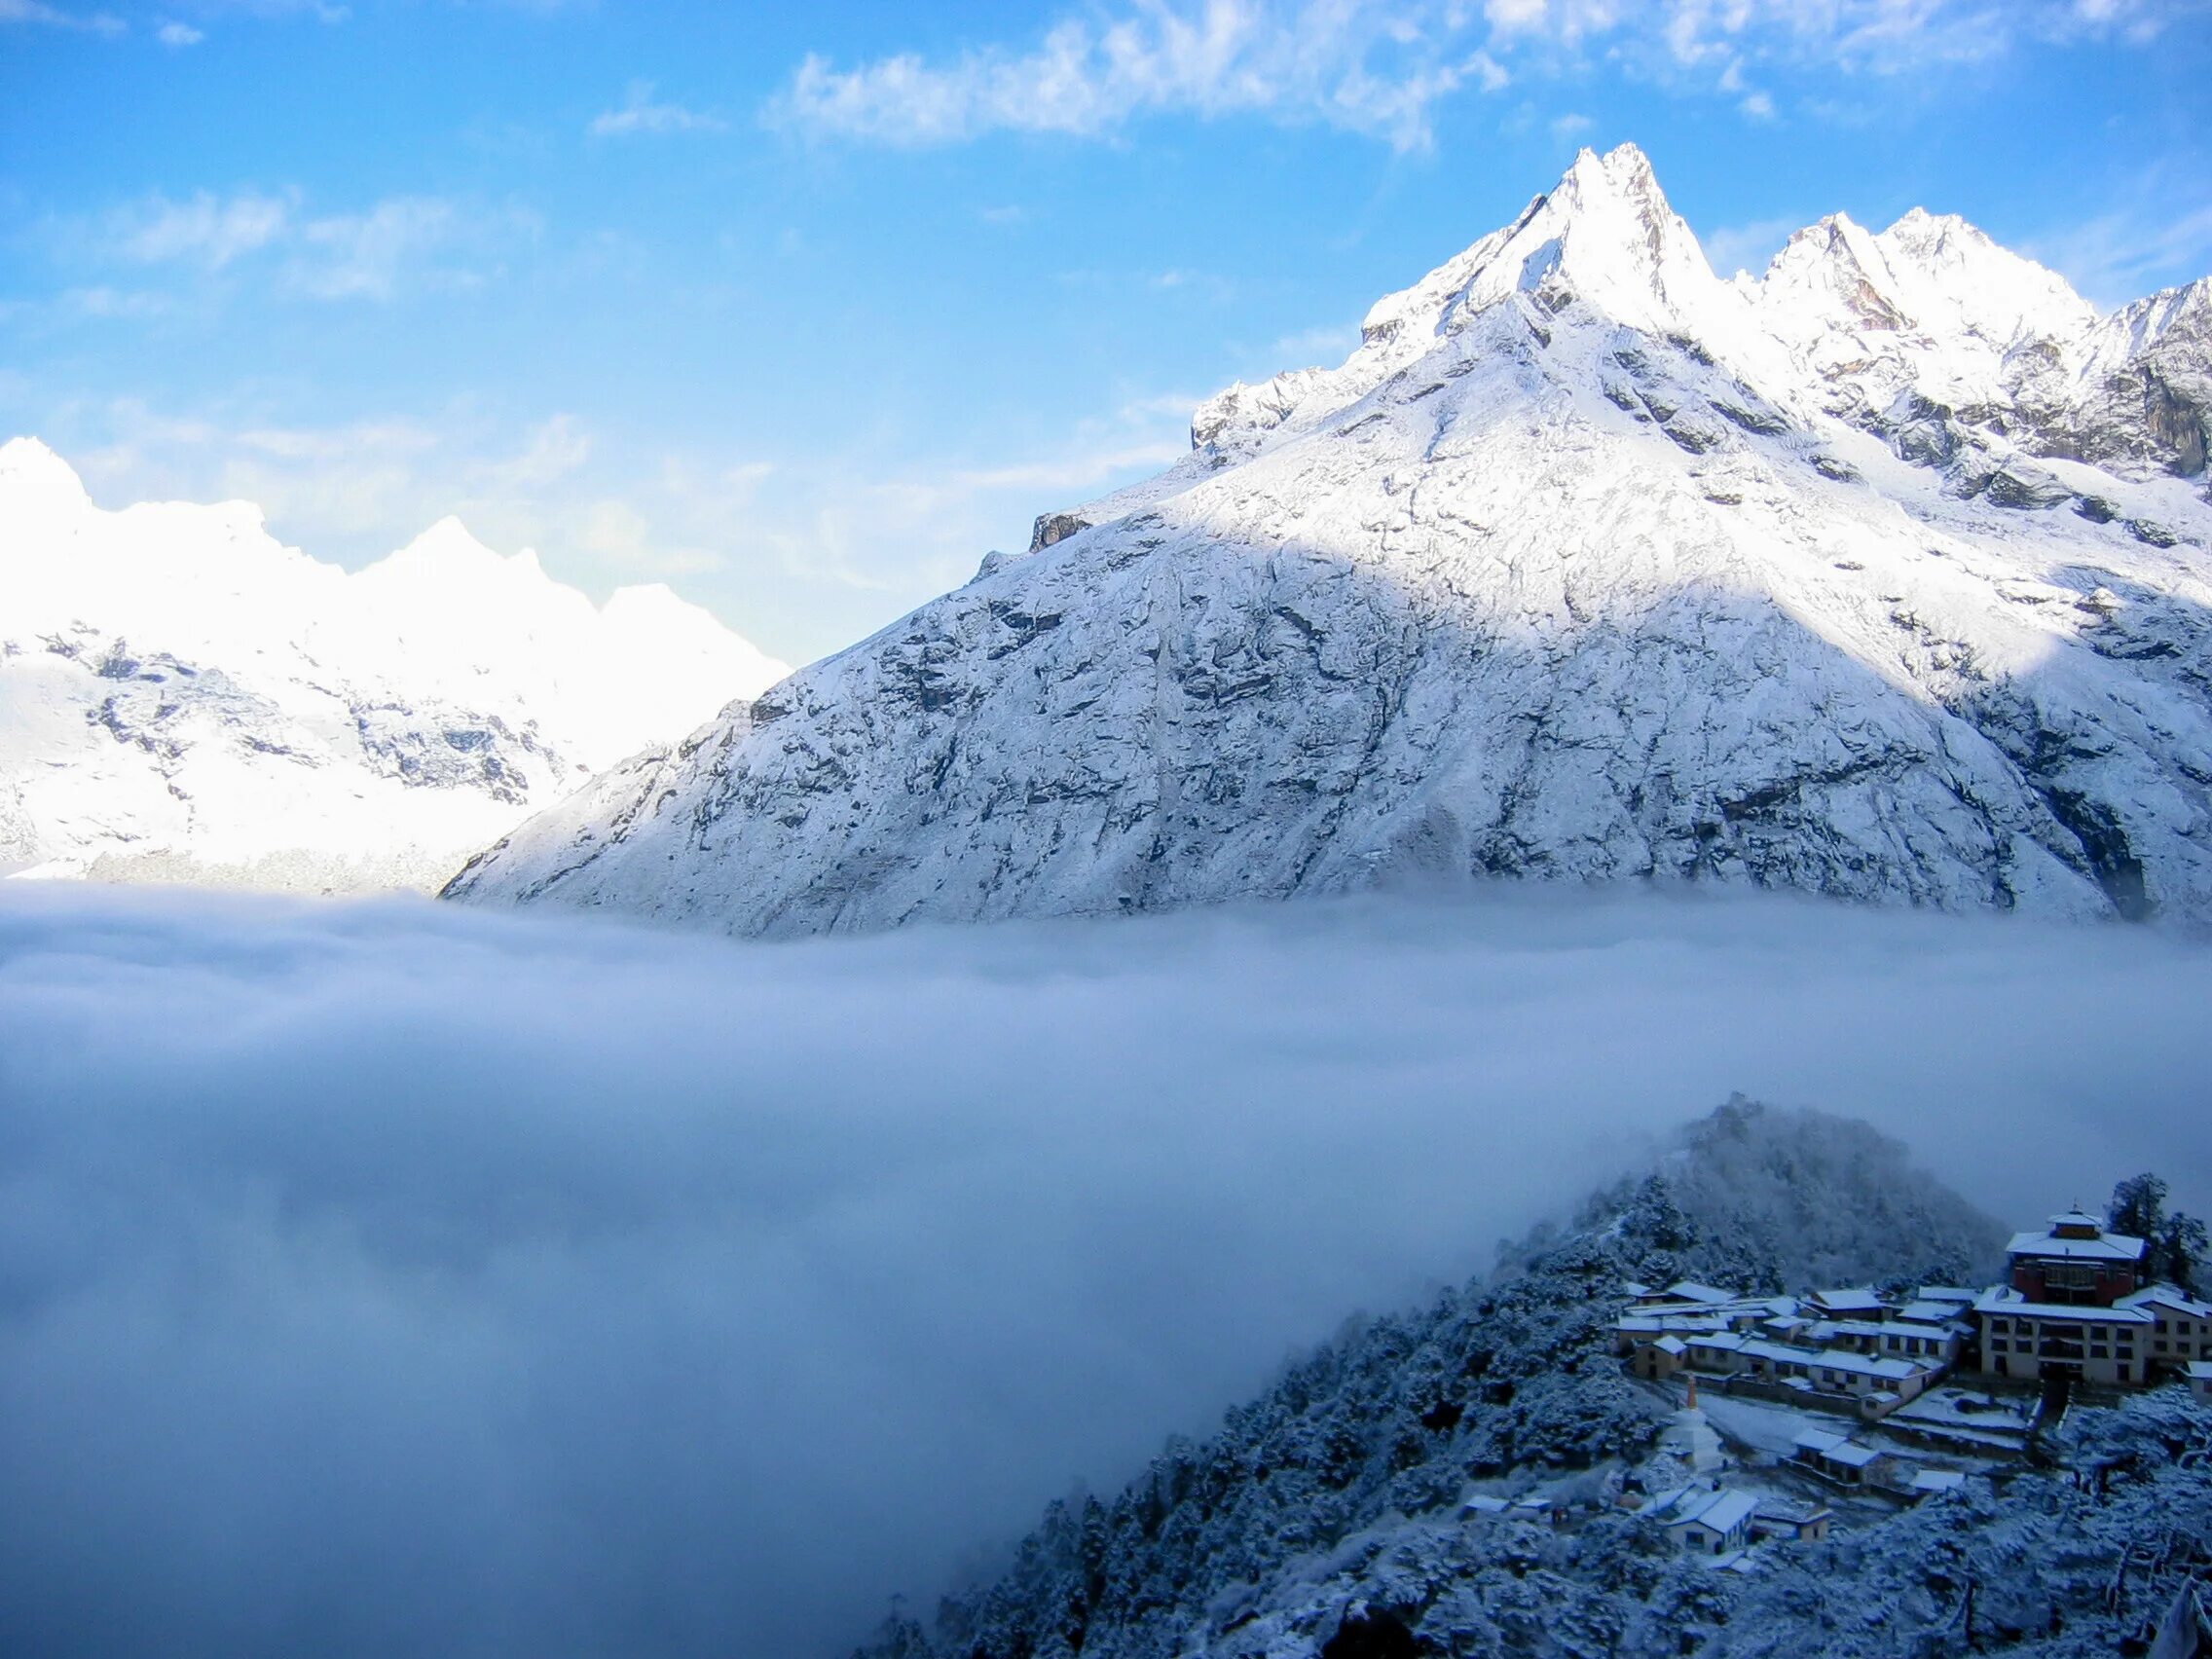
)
(184, 699)
(1880, 575)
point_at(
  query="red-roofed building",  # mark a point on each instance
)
(2076, 1263)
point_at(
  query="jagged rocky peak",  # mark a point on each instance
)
(1880, 577)
(1604, 234)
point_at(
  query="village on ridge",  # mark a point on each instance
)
(1797, 1411)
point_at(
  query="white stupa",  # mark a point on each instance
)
(1691, 1438)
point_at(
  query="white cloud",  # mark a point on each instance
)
(1327, 345)
(38, 13)
(1362, 67)
(400, 242)
(1570, 125)
(2121, 255)
(640, 114)
(178, 35)
(554, 1287)
(361, 256)
(376, 253)
(1384, 68)
(104, 303)
(203, 229)
(1748, 247)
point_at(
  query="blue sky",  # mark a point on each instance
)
(804, 309)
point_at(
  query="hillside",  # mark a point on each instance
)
(1325, 1516)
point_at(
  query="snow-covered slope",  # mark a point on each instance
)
(1883, 575)
(183, 697)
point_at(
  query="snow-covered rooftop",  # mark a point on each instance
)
(2105, 1247)
(1855, 1299)
(1929, 1312)
(1837, 1448)
(2171, 1298)
(2006, 1301)
(1689, 1290)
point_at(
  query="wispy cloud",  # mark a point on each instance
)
(641, 114)
(2133, 250)
(1328, 344)
(1362, 67)
(376, 253)
(403, 239)
(177, 36)
(1747, 247)
(38, 14)
(1383, 69)
(203, 229)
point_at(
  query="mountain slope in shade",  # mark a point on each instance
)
(1881, 576)
(182, 697)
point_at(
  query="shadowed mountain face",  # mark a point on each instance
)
(1882, 576)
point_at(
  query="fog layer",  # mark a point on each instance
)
(388, 1278)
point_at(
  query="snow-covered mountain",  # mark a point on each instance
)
(1881, 575)
(183, 697)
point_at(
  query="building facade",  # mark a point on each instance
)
(2070, 1312)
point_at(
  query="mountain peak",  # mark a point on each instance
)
(1584, 566)
(1625, 171)
(27, 466)
(1604, 235)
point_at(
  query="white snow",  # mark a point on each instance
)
(181, 696)
(1881, 576)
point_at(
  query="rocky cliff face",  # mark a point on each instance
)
(1881, 576)
(182, 698)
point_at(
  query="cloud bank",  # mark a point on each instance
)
(1383, 67)
(388, 1278)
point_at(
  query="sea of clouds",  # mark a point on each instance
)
(391, 1278)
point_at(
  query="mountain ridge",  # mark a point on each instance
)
(187, 699)
(1880, 577)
